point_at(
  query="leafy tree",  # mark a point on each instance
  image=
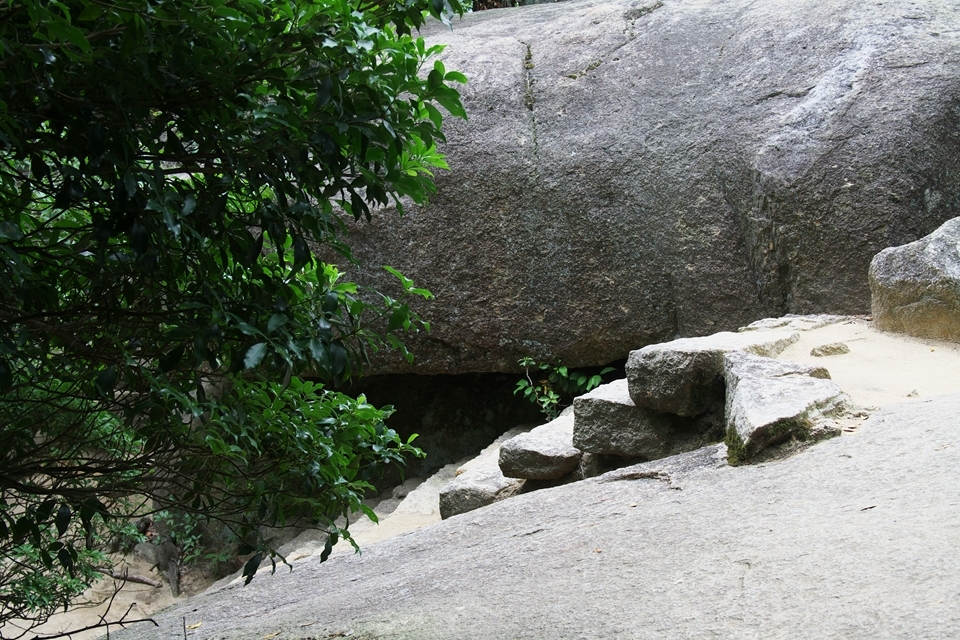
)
(168, 171)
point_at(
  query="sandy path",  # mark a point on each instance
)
(881, 368)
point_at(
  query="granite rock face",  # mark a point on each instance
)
(637, 170)
(685, 376)
(916, 287)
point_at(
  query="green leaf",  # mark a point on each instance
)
(451, 104)
(62, 520)
(250, 568)
(106, 381)
(318, 351)
(276, 321)
(332, 540)
(66, 559)
(255, 355)
(6, 376)
(189, 204)
(170, 361)
(45, 510)
(90, 12)
(10, 231)
(130, 184)
(331, 301)
(172, 222)
(399, 318)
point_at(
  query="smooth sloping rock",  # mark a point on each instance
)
(480, 481)
(916, 287)
(770, 400)
(607, 422)
(854, 538)
(685, 376)
(545, 453)
(636, 170)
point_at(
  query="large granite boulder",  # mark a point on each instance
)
(768, 401)
(637, 170)
(685, 376)
(916, 287)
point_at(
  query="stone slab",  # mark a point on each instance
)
(544, 453)
(685, 376)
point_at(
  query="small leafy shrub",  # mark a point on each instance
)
(556, 386)
(183, 530)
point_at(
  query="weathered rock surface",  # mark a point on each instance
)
(795, 322)
(634, 170)
(831, 349)
(607, 422)
(768, 401)
(916, 287)
(480, 481)
(685, 376)
(544, 453)
(853, 538)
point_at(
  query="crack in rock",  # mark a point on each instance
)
(528, 98)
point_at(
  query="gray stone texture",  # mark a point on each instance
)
(608, 423)
(476, 489)
(544, 453)
(768, 401)
(480, 482)
(831, 349)
(685, 376)
(855, 537)
(916, 287)
(633, 171)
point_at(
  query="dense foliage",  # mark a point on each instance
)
(168, 170)
(556, 386)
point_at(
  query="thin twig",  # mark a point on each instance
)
(129, 577)
(122, 622)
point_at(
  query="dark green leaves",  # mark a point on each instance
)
(62, 520)
(170, 361)
(332, 539)
(251, 566)
(255, 355)
(106, 381)
(167, 172)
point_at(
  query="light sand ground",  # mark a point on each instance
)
(881, 368)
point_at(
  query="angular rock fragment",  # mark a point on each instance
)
(832, 349)
(685, 376)
(795, 322)
(545, 453)
(607, 422)
(767, 401)
(915, 287)
(476, 489)
(480, 481)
